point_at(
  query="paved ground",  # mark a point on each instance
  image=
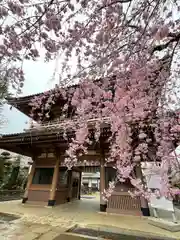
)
(39, 222)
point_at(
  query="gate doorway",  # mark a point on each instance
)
(90, 187)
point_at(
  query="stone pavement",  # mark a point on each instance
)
(39, 222)
(28, 231)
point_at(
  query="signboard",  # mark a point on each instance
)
(154, 181)
(161, 203)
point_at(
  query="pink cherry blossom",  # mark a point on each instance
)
(124, 85)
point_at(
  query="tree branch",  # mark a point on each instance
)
(114, 2)
(174, 38)
(39, 18)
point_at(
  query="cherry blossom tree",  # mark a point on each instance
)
(131, 46)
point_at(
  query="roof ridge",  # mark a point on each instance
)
(36, 94)
(60, 87)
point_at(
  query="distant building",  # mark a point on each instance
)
(91, 181)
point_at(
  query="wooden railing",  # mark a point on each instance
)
(60, 122)
(8, 195)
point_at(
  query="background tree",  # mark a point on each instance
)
(6, 155)
(4, 93)
(12, 176)
(4, 166)
(1, 169)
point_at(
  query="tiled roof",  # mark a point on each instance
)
(9, 99)
(10, 134)
(74, 84)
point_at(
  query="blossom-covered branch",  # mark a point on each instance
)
(120, 76)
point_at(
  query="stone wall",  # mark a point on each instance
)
(8, 195)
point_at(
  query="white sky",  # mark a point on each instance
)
(38, 79)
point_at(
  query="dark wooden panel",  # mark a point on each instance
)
(61, 195)
(45, 162)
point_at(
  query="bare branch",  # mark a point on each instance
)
(174, 38)
(114, 2)
(39, 18)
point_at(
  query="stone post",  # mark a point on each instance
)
(144, 203)
(52, 196)
(29, 182)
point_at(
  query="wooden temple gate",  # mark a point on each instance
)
(49, 182)
(61, 185)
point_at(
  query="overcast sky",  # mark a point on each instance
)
(38, 79)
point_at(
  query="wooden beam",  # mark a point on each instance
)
(79, 185)
(52, 196)
(103, 204)
(69, 185)
(29, 182)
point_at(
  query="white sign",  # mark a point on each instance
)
(154, 181)
(161, 203)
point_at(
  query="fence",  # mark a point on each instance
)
(123, 203)
(8, 195)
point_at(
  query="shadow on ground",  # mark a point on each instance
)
(109, 234)
(5, 217)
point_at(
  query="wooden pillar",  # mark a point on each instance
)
(103, 204)
(69, 186)
(144, 203)
(79, 186)
(52, 196)
(29, 182)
